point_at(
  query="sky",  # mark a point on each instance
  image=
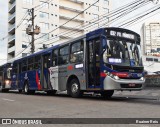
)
(3, 29)
(137, 27)
(115, 4)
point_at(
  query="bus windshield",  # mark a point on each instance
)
(122, 52)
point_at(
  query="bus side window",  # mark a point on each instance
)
(24, 65)
(37, 62)
(76, 55)
(55, 57)
(20, 65)
(15, 68)
(46, 61)
(63, 55)
(30, 64)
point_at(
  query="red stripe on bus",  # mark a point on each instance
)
(102, 74)
(38, 82)
(70, 67)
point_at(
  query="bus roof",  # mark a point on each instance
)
(87, 35)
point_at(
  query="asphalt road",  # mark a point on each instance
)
(144, 104)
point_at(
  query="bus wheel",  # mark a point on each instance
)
(107, 94)
(5, 90)
(51, 92)
(74, 89)
(20, 91)
(26, 88)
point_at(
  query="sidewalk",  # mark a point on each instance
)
(148, 92)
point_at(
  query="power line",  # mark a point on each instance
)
(104, 19)
(121, 9)
(126, 13)
(136, 19)
(24, 17)
(47, 1)
(141, 20)
(58, 27)
(69, 20)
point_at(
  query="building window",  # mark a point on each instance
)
(44, 25)
(24, 10)
(105, 10)
(106, 2)
(28, 2)
(25, 36)
(44, 4)
(44, 15)
(25, 22)
(95, 8)
(45, 36)
(24, 54)
(95, 16)
(106, 18)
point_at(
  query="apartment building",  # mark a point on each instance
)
(50, 16)
(150, 34)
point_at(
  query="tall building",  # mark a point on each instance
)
(150, 34)
(50, 15)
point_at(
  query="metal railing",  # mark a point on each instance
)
(152, 80)
(11, 27)
(10, 38)
(14, 4)
(11, 16)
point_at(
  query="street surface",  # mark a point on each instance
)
(141, 104)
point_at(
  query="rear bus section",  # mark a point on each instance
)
(5, 77)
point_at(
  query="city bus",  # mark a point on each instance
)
(5, 77)
(101, 61)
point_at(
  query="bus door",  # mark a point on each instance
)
(93, 48)
(46, 63)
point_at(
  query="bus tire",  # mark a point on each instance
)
(2, 90)
(26, 88)
(5, 90)
(51, 92)
(74, 89)
(20, 91)
(107, 94)
(31, 91)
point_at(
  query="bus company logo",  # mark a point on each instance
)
(14, 76)
(6, 121)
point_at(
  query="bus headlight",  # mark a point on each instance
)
(7, 82)
(113, 76)
(116, 77)
(142, 78)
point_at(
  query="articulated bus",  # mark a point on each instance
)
(100, 61)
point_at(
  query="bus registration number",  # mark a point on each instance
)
(131, 85)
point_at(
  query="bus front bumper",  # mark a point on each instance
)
(123, 84)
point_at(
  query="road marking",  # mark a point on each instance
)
(5, 99)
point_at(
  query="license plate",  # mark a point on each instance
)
(132, 85)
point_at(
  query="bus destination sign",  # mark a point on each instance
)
(120, 34)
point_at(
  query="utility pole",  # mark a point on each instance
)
(31, 30)
(32, 43)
